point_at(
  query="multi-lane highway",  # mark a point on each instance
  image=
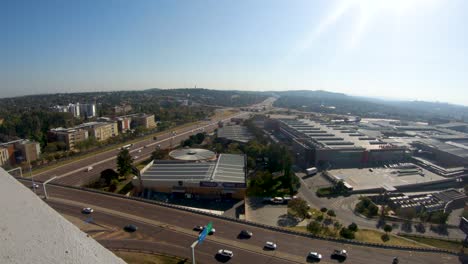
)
(173, 229)
(76, 173)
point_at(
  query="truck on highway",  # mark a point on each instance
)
(311, 171)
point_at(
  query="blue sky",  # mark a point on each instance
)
(405, 49)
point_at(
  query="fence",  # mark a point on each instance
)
(259, 225)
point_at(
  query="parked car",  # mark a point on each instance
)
(87, 210)
(314, 256)
(270, 245)
(246, 233)
(277, 200)
(226, 253)
(130, 228)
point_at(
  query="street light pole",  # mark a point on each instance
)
(193, 250)
(44, 185)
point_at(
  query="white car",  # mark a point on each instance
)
(87, 210)
(35, 186)
(314, 255)
(270, 245)
(226, 253)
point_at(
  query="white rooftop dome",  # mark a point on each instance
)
(192, 154)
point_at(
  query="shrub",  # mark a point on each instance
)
(323, 209)
(331, 213)
(346, 233)
(353, 227)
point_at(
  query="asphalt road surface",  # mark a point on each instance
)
(76, 174)
(158, 221)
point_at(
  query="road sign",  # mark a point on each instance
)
(202, 236)
(205, 232)
(208, 227)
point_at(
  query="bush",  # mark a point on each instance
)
(366, 207)
(319, 218)
(353, 227)
(388, 228)
(314, 227)
(331, 213)
(385, 237)
(346, 233)
(324, 191)
(323, 209)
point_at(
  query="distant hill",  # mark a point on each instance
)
(339, 103)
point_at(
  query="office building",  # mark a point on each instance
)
(225, 177)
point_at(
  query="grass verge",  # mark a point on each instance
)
(374, 236)
(438, 243)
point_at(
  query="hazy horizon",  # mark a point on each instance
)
(398, 50)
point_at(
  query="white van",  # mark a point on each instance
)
(89, 168)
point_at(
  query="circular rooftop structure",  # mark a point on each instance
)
(192, 154)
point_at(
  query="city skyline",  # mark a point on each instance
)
(387, 49)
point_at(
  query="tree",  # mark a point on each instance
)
(124, 162)
(158, 154)
(331, 213)
(346, 233)
(113, 185)
(314, 227)
(299, 207)
(108, 175)
(388, 228)
(353, 227)
(323, 209)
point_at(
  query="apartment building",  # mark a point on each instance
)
(69, 136)
(144, 120)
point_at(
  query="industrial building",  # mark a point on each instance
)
(328, 145)
(224, 177)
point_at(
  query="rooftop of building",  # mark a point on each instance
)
(227, 168)
(388, 177)
(459, 148)
(336, 135)
(235, 133)
(33, 232)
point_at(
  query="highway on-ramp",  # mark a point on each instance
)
(173, 228)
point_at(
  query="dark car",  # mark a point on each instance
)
(198, 228)
(130, 228)
(246, 234)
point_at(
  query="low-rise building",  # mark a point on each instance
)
(101, 131)
(19, 151)
(4, 156)
(144, 120)
(124, 123)
(224, 177)
(27, 150)
(69, 136)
